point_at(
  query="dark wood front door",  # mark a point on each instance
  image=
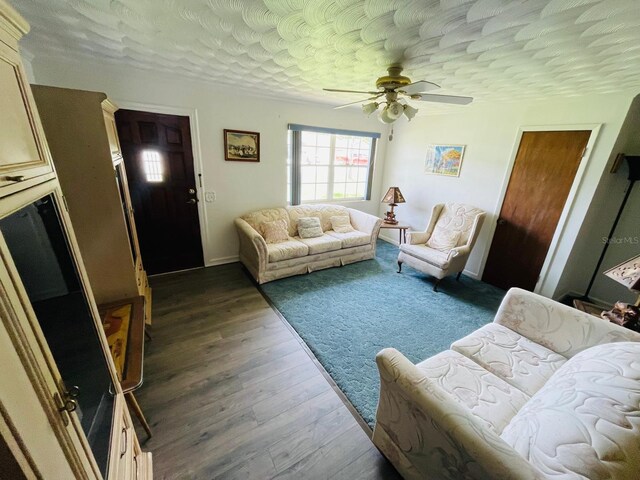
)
(159, 161)
(544, 170)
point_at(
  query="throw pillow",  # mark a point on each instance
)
(275, 232)
(443, 240)
(309, 227)
(341, 224)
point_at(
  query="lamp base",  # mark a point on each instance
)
(391, 217)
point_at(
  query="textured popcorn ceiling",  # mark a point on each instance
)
(489, 49)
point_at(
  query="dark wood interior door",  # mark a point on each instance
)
(159, 161)
(544, 170)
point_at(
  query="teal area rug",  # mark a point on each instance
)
(346, 315)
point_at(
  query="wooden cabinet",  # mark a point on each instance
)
(94, 180)
(61, 406)
(24, 157)
(128, 461)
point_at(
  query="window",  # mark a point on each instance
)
(329, 165)
(152, 165)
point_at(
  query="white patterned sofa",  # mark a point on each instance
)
(545, 391)
(267, 262)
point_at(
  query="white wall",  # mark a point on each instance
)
(625, 243)
(240, 187)
(489, 133)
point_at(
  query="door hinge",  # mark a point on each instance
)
(584, 152)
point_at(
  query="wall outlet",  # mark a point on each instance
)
(209, 197)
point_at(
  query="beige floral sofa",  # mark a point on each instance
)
(545, 391)
(296, 256)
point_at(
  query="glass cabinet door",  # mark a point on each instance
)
(40, 251)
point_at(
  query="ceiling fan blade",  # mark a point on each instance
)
(453, 99)
(359, 101)
(348, 91)
(420, 87)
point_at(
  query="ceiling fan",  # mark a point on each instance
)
(396, 89)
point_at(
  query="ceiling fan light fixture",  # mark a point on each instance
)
(409, 112)
(385, 117)
(369, 108)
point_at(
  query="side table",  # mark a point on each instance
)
(402, 230)
(123, 323)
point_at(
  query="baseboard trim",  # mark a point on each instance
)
(388, 240)
(222, 260)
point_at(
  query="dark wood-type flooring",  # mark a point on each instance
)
(230, 392)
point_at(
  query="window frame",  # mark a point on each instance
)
(294, 163)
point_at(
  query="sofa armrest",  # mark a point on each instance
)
(417, 238)
(433, 433)
(364, 222)
(460, 252)
(558, 327)
(253, 248)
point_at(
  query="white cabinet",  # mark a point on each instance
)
(24, 157)
(62, 413)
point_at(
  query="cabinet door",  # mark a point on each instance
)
(59, 325)
(23, 151)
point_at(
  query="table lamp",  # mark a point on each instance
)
(393, 197)
(628, 274)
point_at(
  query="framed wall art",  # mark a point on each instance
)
(444, 160)
(241, 146)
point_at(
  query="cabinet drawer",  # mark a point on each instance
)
(123, 439)
(137, 465)
(126, 439)
(24, 154)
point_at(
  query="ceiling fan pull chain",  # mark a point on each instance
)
(391, 134)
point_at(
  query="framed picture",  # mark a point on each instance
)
(444, 160)
(241, 146)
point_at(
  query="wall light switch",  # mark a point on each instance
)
(209, 197)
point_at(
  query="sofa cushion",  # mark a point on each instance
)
(275, 232)
(426, 254)
(309, 227)
(517, 360)
(351, 239)
(325, 243)
(460, 218)
(341, 224)
(255, 219)
(585, 421)
(324, 212)
(292, 248)
(443, 239)
(489, 398)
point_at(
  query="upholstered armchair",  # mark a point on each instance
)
(443, 249)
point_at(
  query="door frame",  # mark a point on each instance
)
(198, 168)
(571, 197)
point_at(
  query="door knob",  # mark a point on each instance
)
(192, 201)
(501, 221)
(69, 405)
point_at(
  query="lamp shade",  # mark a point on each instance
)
(627, 273)
(369, 108)
(410, 112)
(393, 195)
